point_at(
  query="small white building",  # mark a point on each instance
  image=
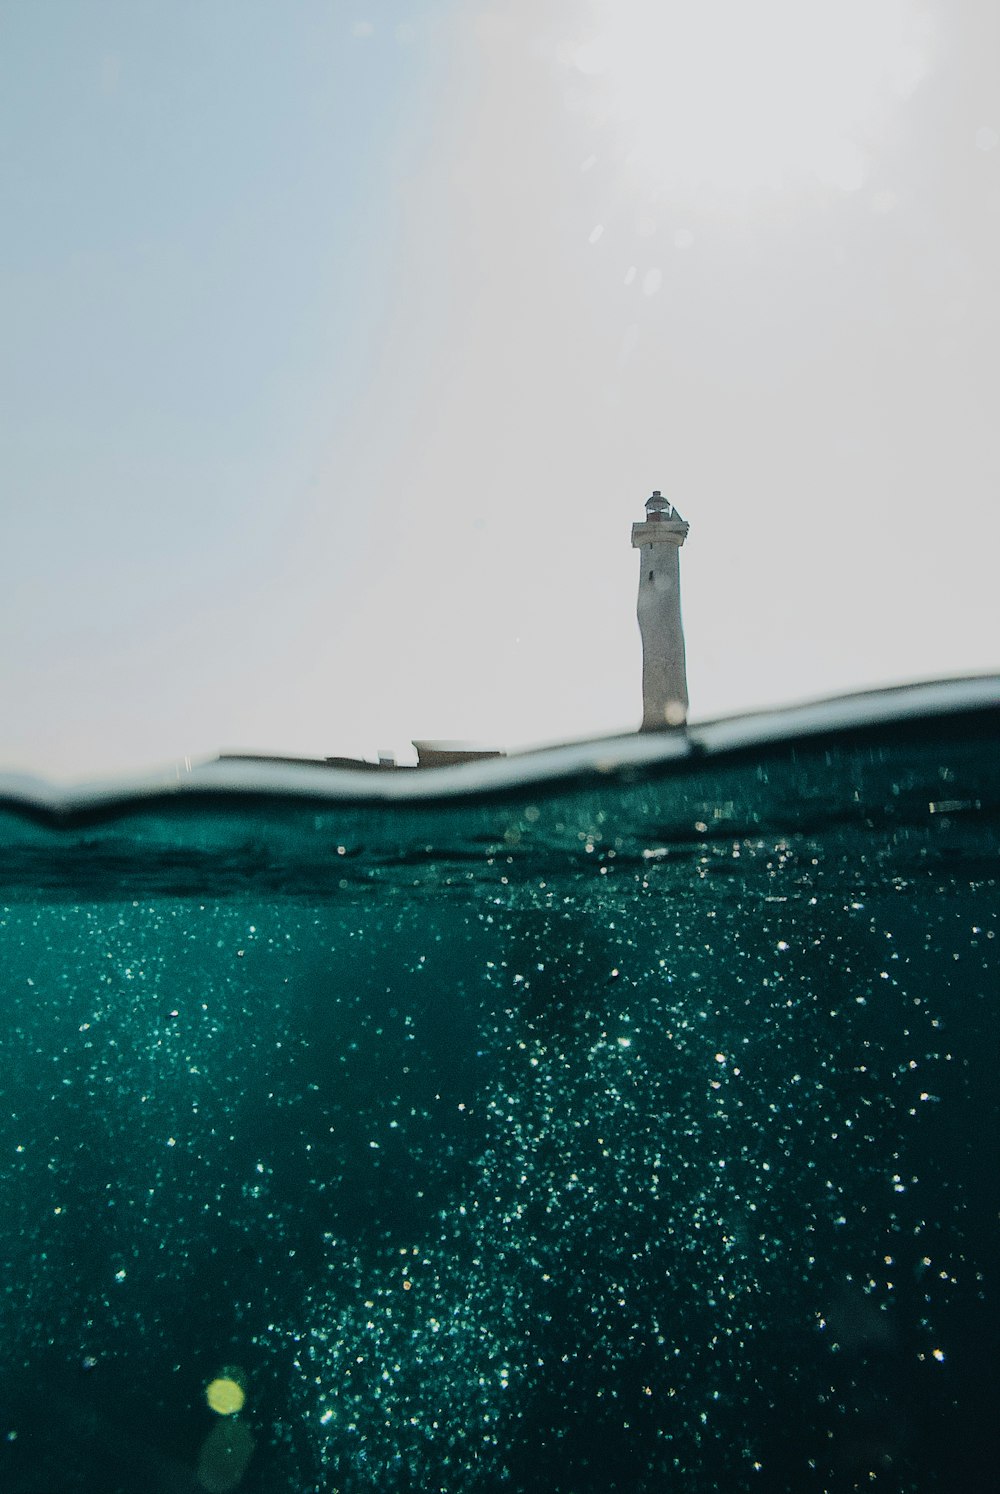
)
(664, 670)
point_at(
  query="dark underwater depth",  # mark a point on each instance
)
(634, 1131)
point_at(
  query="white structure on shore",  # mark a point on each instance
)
(664, 671)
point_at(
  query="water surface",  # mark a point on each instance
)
(624, 1127)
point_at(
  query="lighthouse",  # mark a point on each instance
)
(658, 539)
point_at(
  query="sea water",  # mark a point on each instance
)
(624, 1129)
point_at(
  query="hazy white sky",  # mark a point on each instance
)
(343, 342)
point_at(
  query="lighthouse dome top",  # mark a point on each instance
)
(660, 509)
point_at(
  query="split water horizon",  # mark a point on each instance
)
(622, 1116)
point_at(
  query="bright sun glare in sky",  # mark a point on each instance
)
(344, 344)
(740, 96)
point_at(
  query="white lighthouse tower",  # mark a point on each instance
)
(664, 671)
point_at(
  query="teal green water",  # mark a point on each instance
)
(632, 1132)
